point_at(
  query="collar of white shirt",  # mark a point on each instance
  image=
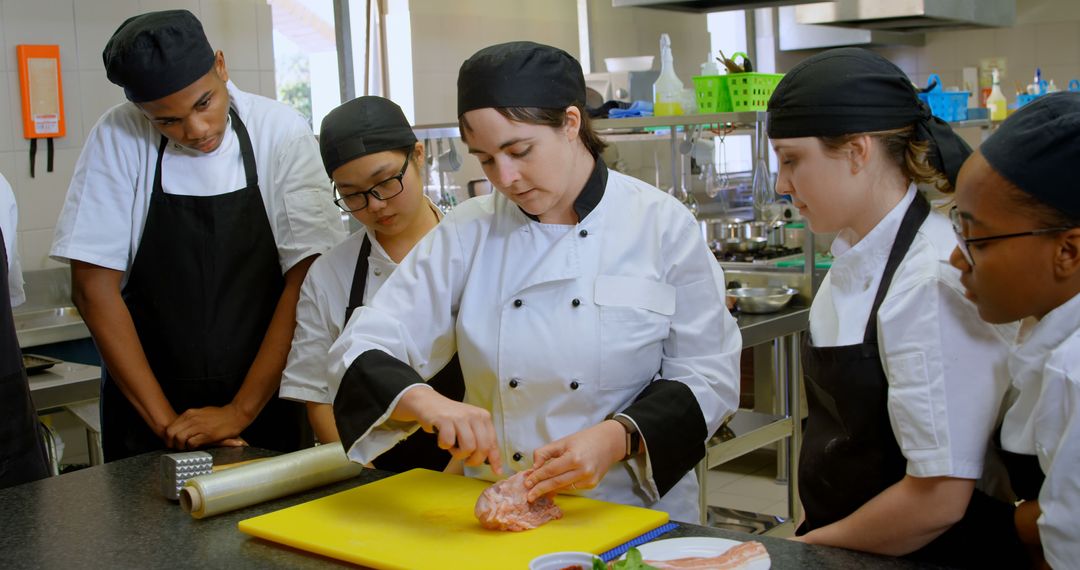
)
(859, 266)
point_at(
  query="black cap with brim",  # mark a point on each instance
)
(520, 74)
(853, 90)
(1037, 149)
(156, 54)
(360, 127)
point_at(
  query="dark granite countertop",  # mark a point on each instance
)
(113, 516)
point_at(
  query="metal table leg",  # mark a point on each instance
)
(794, 405)
(781, 403)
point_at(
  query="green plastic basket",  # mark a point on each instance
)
(711, 92)
(751, 91)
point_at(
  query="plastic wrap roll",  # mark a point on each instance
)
(246, 485)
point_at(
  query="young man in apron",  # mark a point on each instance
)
(22, 455)
(904, 381)
(370, 152)
(193, 215)
(1017, 218)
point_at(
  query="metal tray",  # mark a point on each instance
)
(35, 363)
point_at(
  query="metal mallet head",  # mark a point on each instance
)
(177, 468)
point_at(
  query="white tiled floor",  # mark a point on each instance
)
(748, 483)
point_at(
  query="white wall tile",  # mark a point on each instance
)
(157, 5)
(95, 23)
(231, 27)
(10, 112)
(246, 80)
(7, 60)
(267, 85)
(49, 22)
(34, 246)
(98, 95)
(40, 198)
(264, 23)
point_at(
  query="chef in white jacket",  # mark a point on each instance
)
(1017, 218)
(587, 312)
(371, 154)
(190, 222)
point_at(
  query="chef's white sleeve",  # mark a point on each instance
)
(947, 376)
(698, 382)
(1058, 449)
(305, 378)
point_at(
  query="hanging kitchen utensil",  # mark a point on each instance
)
(453, 161)
(761, 189)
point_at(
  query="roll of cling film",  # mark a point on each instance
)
(254, 483)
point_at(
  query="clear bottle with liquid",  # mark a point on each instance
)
(996, 102)
(668, 89)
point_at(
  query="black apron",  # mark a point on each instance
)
(22, 453)
(850, 453)
(421, 449)
(201, 291)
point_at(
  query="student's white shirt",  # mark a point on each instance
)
(946, 367)
(109, 196)
(9, 222)
(1045, 422)
(320, 315)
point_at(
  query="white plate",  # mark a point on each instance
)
(673, 548)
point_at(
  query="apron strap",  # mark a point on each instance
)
(916, 214)
(246, 152)
(359, 280)
(157, 170)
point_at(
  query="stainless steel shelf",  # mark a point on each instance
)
(759, 329)
(747, 431)
(743, 119)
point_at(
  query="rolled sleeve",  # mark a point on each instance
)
(947, 376)
(307, 222)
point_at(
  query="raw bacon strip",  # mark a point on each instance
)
(504, 506)
(734, 557)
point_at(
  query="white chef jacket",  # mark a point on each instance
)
(320, 314)
(650, 304)
(9, 222)
(1045, 422)
(946, 367)
(109, 196)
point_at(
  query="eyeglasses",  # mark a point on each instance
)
(964, 243)
(383, 191)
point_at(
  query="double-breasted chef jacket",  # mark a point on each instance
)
(1044, 422)
(557, 327)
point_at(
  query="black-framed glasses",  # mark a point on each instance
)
(383, 191)
(964, 243)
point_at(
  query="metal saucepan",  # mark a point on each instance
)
(759, 300)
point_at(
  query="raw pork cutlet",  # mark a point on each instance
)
(735, 557)
(504, 506)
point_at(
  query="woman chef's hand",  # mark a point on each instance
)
(577, 461)
(198, 427)
(466, 431)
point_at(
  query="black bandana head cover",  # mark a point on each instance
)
(1038, 150)
(156, 54)
(852, 90)
(360, 127)
(520, 74)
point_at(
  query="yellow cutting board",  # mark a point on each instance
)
(423, 519)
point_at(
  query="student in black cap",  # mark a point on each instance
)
(904, 381)
(587, 311)
(376, 165)
(1017, 219)
(190, 222)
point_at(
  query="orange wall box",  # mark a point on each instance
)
(42, 97)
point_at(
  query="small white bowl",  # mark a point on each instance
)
(560, 560)
(635, 63)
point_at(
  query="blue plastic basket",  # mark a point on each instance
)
(947, 105)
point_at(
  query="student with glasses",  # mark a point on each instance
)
(375, 163)
(1017, 220)
(904, 381)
